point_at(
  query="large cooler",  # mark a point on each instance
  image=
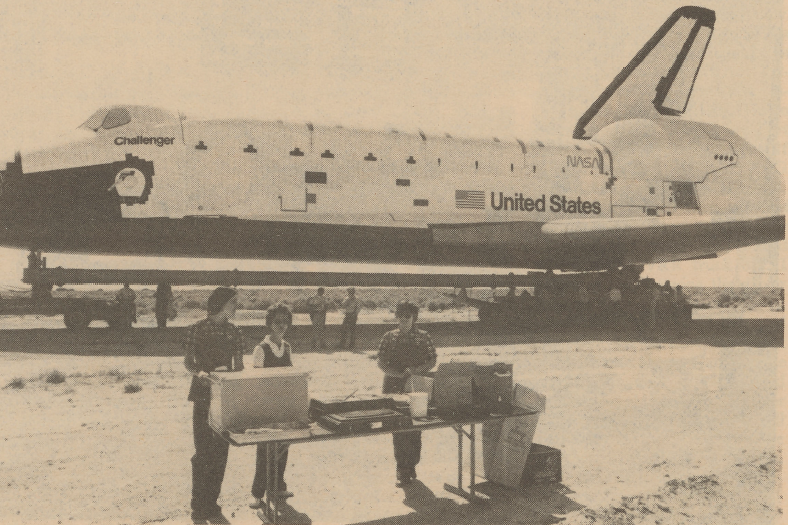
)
(258, 397)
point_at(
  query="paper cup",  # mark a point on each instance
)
(416, 383)
(418, 404)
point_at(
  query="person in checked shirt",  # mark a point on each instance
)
(210, 344)
(403, 352)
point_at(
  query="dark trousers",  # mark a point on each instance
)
(128, 310)
(407, 445)
(318, 329)
(208, 462)
(259, 483)
(161, 318)
(349, 330)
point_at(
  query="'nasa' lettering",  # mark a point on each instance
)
(584, 162)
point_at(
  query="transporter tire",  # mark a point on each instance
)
(114, 323)
(485, 315)
(76, 317)
(114, 316)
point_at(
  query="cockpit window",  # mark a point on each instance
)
(95, 120)
(116, 117)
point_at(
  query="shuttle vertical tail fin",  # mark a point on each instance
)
(659, 80)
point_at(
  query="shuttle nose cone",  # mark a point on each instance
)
(748, 185)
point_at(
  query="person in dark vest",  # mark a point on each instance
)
(403, 352)
(273, 351)
(211, 344)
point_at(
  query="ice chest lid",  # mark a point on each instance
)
(258, 373)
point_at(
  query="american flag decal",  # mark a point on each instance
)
(469, 199)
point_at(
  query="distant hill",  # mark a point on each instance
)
(727, 297)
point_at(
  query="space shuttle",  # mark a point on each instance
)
(635, 185)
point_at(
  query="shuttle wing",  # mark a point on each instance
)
(665, 239)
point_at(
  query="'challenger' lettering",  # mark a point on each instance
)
(136, 141)
(558, 204)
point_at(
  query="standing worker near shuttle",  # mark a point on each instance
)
(318, 304)
(615, 310)
(654, 297)
(128, 309)
(668, 304)
(164, 304)
(210, 344)
(402, 352)
(351, 306)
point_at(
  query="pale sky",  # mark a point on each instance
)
(508, 69)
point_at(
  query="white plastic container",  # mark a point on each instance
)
(258, 397)
(417, 383)
(418, 404)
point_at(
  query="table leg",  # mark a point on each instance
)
(275, 486)
(270, 512)
(459, 456)
(472, 485)
(459, 490)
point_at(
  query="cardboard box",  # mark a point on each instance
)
(491, 434)
(513, 441)
(464, 386)
(258, 397)
(453, 386)
(542, 466)
(493, 387)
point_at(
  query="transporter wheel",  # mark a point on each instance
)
(76, 318)
(114, 317)
(114, 322)
(485, 315)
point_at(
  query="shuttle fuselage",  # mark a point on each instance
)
(636, 186)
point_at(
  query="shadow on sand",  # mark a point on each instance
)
(537, 505)
(755, 333)
(287, 516)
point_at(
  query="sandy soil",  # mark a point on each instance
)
(650, 432)
(377, 316)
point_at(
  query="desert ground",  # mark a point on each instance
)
(658, 428)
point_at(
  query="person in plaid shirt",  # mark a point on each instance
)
(402, 352)
(210, 344)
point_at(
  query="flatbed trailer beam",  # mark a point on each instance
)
(63, 276)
